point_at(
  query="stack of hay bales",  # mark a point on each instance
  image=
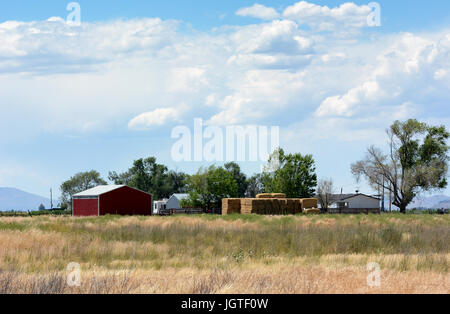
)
(252, 206)
(269, 204)
(310, 206)
(231, 206)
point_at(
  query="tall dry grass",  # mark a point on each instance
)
(233, 254)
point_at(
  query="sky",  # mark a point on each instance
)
(102, 93)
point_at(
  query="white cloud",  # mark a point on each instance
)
(440, 74)
(279, 36)
(404, 72)
(322, 18)
(53, 45)
(104, 76)
(258, 11)
(257, 95)
(187, 79)
(154, 118)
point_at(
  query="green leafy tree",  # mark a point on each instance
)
(416, 161)
(293, 174)
(149, 176)
(41, 207)
(78, 183)
(209, 186)
(239, 177)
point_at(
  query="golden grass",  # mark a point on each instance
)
(264, 280)
(232, 254)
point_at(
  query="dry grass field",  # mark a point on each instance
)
(231, 254)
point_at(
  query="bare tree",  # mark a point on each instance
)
(325, 191)
(416, 161)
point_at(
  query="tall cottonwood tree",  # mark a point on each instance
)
(416, 161)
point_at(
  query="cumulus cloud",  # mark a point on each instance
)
(280, 36)
(323, 18)
(258, 94)
(404, 71)
(187, 79)
(258, 11)
(154, 118)
(109, 75)
(54, 46)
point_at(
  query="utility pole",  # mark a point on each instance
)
(379, 194)
(51, 199)
(383, 208)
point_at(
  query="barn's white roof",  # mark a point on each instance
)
(99, 190)
(180, 196)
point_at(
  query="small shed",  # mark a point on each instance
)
(112, 200)
(174, 201)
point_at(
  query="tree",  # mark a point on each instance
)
(255, 186)
(41, 207)
(239, 177)
(325, 190)
(295, 175)
(209, 186)
(149, 176)
(80, 182)
(416, 161)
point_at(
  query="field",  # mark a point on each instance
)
(231, 254)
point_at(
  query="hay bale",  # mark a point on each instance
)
(267, 205)
(276, 207)
(231, 206)
(283, 203)
(312, 211)
(252, 206)
(310, 203)
(264, 196)
(291, 206)
(271, 195)
(298, 205)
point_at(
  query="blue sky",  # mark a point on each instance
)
(99, 95)
(399, 15)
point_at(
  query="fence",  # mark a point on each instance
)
(354, 211)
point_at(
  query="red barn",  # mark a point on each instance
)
(112, 200)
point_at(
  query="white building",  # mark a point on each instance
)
(355, 201)
(174, 201)
(159, 206)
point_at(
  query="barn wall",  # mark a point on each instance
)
(85, 207)
(362, 201)
(126, 201)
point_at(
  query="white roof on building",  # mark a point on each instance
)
(99, 190)
(181, 196)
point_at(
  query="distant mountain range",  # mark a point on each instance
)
(431, 202)
(15, 199)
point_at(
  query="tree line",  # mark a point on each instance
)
(294, 175)
(415, 161)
